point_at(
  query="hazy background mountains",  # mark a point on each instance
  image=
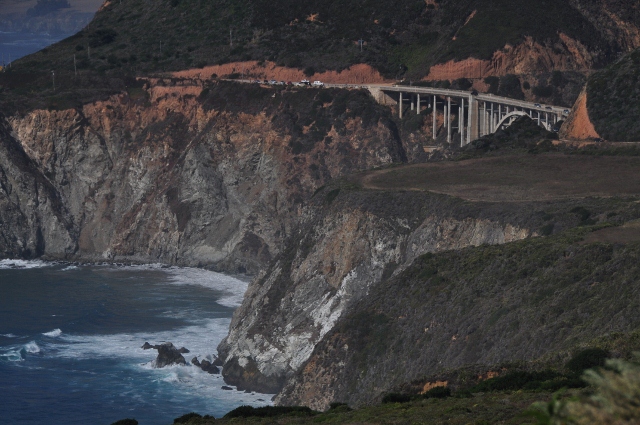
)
(27, 26)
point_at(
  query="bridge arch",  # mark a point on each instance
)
(508, 119)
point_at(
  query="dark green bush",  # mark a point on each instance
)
(587, 359)
(543, 91)
(515, 381)
(269, 411)
(337, 407)
(125, 422)
(437, 392)
(101, 37)
(397, 398)
(547, 229)
(186, 418)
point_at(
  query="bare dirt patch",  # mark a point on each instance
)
(516, 178)
(627, 233)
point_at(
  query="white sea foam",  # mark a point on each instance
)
(201, 339)
(70, 268)
(9, 335)
(31, 347)
(54, 333)
(13, 355)
(23, 264)
(233, 289)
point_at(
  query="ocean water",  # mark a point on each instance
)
(70, 338)
(14, 45)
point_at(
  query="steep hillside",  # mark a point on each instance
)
(400, 39)
(181, 173)
(354, 241)
(484, 306)
(613, 99)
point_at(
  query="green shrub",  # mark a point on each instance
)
(269, 411)
(336, 407)
(397, 398)
(516, 380)
(587, 359)
(437, 392)
(186, 418)
(542, 91)
(125, 422)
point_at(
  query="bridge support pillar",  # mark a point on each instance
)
(400, 106)
(434, 112)
(483, 120)
(491, 129)
(412, 102)
(418, 105)
(472, 117)
(448, 120)
(461, 122)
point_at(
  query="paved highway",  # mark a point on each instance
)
(483, 97)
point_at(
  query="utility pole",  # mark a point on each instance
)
(361, 42)
(53, 78)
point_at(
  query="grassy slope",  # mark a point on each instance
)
(613, 99)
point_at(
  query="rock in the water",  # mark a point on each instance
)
(183, 350)
(224, 387)
(168, 355)
(208, 367)
(218, 362)
(147, 346)
(195, 362)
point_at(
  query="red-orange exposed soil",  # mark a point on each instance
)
(528, 57)
(356, 74)
(578, 126)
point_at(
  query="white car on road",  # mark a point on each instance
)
(318, 83)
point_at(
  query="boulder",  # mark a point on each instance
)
(224, 387)
(207, 366)
(183, 350)
(147, 346)
(195, 362)
(168, 355)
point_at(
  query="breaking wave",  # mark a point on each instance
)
(23, 264)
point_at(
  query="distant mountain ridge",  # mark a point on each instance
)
(47, 16)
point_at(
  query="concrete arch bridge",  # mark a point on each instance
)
(477, 114)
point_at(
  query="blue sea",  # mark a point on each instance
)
(14, 45)
(71, 337)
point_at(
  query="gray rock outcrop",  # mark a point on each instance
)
(173, 180)
(168, 355)
(334, 260)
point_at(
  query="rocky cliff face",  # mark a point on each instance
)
(181, 176)
(338, 255)
(33, 218)
(528, 57)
